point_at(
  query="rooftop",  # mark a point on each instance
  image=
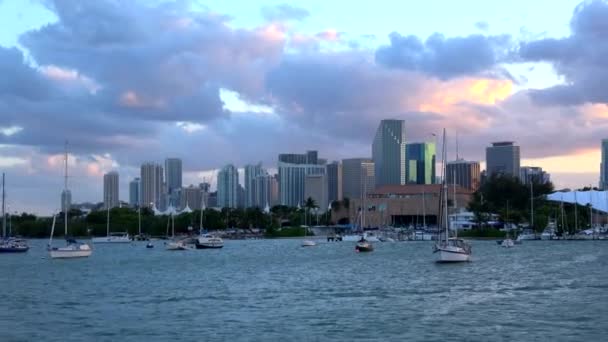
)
(416, 189)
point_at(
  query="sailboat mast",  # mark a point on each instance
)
(3, 208)
(108, 217)
(531, 204)
(139, 219)
(575, 212)
(65, 192)
(445, 187)
(423, 210)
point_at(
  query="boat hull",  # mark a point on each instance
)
(208, 246)
(308, 243)
(508, 243)
(451, 255)
(14, 249)
(364, 247)
(110, 239)
(70, 253)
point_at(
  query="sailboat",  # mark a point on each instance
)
(112, 237)
(363, 245)
(449, 249)
(206, 240)
(174, 244)
(73, 248)
(9, 244)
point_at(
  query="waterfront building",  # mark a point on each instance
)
(110, 190)
(420, 163)
(134, 192)
(151, 177)
(357, 176)
(502, 158)
(465, 173)
(228, 187)
(388, 153)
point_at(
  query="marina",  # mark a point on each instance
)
(538, 291)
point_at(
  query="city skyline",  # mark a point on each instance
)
(307, 80)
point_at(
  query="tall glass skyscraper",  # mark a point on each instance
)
(388, 153)
(228, 187)
(151, 185)
(420, 163)
(173, 174)
(134, 192)
(251, 173)
(293, 169)
(502, 158)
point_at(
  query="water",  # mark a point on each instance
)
(274, 290)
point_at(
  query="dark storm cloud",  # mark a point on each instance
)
(444, 57)
(284, 12)
(581, 58)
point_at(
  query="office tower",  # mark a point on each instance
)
(173, 174)
(110, 190)
(228, 187)
(134, 192)
(266, 191)
(388, 153)
(357, 174)
(532, 174)
(211, 200)
(192, 197)
(66, 200)
(334, 182)
(316, 188)
(420, 163)
(293, 169)
(151, 185)
(467, 174)
(604, 165)
(502, 158)
(251, 172)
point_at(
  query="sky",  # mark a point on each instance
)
(218, 82)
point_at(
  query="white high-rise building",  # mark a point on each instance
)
(134, 192)
(388, 153)
(228, 187)
(151, 184)
(251, 172)
(293, 169)
(110, 190)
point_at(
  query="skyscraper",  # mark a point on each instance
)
(293, 169)
(388, 153)
(357, 174)
(604, 165)
(334, 182)
(533, 174)
(134, 192)
(266, 190)
(467, 174)
(228, 187)
(251, 172)
(420, 163)
(66, 200)
(110, 190)
(316, 188)
(151, 184)
(192, 196)
(173, 174)
(502, 158)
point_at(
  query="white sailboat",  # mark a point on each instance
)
(73, 248)
(205, 240)
(449, 249)
(175, 244)
(112, 237)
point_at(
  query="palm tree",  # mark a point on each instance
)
(310, 204)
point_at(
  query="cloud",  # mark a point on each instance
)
(581, 58)
(443, 57)
(282, 12)
(482, 26)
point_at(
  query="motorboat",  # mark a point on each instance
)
(178, 245)
(507, 243)
(208, 241)
(308, 243)
(113, 238)
(13, 245)
(364, 246)
(149, 245)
